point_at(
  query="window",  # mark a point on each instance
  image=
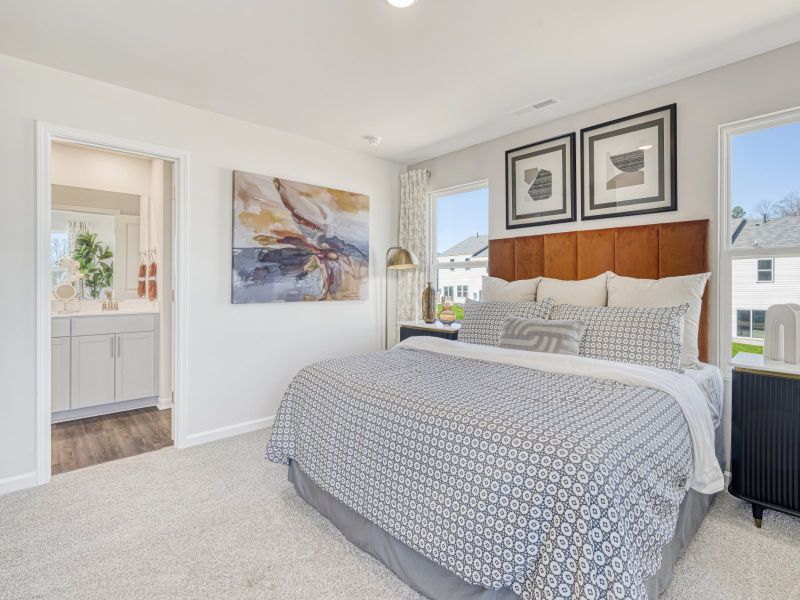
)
(764, 270)
(760, 212)
(460, 240)
(750, 323)
(59, 248)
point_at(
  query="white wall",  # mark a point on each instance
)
(240, 357)
(80, 166)
(755, 86)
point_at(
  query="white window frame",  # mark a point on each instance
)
(432, 197)
(771, 271)
(726, 253)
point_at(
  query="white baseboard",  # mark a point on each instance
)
(164, 403)
(195, 439)
(102, 409)
(17, 482)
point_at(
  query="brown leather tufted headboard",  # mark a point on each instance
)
(646, 251)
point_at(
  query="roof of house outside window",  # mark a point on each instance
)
(780, 231)
(476, 245)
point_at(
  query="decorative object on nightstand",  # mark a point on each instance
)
(765, 434)
(447, 316)
(429, 304)
(782, 333)
(414, 328)
(397, 259)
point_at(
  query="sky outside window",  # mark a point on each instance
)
(461, 215)
(765, 166)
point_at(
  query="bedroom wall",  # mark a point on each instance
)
(240, 357)
(756, 86)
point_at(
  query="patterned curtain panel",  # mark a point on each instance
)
(413, 236)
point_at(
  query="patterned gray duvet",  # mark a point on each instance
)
(552, 485)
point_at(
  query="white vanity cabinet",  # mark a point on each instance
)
(135, 368)
(112, 365)
(92, 370)
(60, 365)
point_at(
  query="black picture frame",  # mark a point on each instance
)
(669, 162)
(568, 177)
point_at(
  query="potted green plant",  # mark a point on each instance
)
(94, 263)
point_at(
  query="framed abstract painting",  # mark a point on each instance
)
(540, 183)
(296, 242)
(629, 165)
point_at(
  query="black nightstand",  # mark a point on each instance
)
(411, 328)
(765, 434)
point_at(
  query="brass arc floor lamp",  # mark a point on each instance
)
(397, 259)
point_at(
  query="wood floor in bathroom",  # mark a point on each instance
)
(90, 441)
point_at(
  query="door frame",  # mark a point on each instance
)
(46, 134)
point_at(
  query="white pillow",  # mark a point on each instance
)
(669, 291)
(500, 290)
(583, 292)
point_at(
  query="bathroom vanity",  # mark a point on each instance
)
(103, 363)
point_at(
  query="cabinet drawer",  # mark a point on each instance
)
(113, 324)
(59, 328)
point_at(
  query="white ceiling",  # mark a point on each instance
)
(441, 75)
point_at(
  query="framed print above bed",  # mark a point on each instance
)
(540, 183)
(629, 166)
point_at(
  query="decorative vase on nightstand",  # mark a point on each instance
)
(448, 315)
(429, 304)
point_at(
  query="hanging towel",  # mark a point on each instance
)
(141, 289)
(152, 291)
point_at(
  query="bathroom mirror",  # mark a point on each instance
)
(104, 232)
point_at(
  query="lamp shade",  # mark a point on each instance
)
(401, 259)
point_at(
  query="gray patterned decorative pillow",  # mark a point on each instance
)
(631, 334)
(538, 335)
(483, 321)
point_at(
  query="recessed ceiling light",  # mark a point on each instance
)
(373, 140)
(401, 3)
(646, 147)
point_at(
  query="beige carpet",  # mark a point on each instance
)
(218, 522)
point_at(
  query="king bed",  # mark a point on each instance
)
(475, 469)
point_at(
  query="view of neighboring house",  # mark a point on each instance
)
(461, 268)
(757, 284)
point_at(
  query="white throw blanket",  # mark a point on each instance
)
(707, 477)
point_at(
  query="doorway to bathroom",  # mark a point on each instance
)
(109, 269)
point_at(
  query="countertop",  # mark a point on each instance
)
(105, 313)
(757, 362)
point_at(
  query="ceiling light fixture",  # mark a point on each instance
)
(401, 3)
(646, 147)
(373, 140)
